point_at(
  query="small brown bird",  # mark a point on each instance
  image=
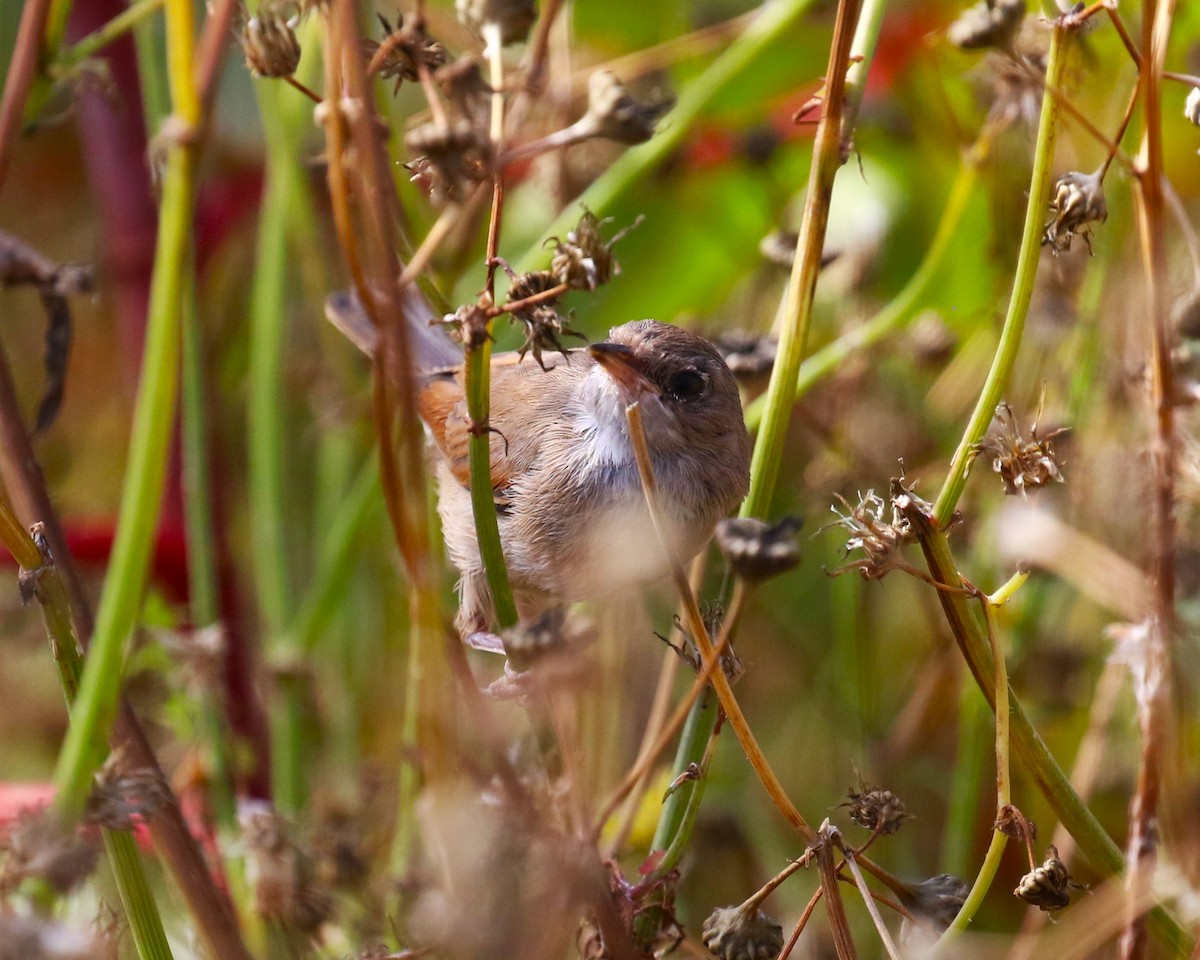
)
(572, 515)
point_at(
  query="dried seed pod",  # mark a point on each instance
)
(543, 328)
(614, 115)
(38, 846)
(526, 285)
(1046, 886)
(282, 875)
(1078, 203)
(989, 23)
(269, 42)
(513, 17)
(463, 85)
(935, 902)
(882, 541)
(454, 155)
(689, 652)
(747, 355)
(876, 809)
(404, 49)
(756, 550)
(469, 324)
(1191, 106)
(733, 935)
(585, 260)
(1022, 464)
(122, 798)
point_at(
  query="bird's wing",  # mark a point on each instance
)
(527, 403)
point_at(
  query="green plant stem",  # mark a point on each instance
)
(483, 504)
(154, 418)
(201, 546)
(102, 36)
(1026, 272)
(337, 558)
(903, 307)
(140, 909)
(769, 27)
(798, 300)
(1051, 781)
(979, 889)
(38, 566)
(691, 748)
(686, 822)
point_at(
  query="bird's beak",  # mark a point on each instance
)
(624, 366)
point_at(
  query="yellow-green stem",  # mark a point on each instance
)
(153, 422)
(1026, 272)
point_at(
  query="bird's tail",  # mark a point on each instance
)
(430, 345)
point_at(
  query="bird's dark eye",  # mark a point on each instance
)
(687, 385)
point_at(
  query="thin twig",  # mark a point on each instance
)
(22, 68)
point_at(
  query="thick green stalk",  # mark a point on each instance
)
(43, 578)
(1104, 855)
(691, 747)
(483, 504)
(153, 422)
(1026, 273)
(902, 308)
(802, 284)
(768, 28)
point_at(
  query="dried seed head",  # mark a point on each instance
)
(469, 324)
(935, 902)
(614, 115)
(404, 49)
(756, 550)
(269, 42)
(585, 260)
(463, 85)
(1046, 886)
(454, 156)
(1013, 823)
(282, 875)
(34, 938)
(989, 23)
(543, 328)
(513, 17)
(876, 809)
(1016, 87)
(1191, 106)
(121, 798)
(38, 847)
(526, 285)
(1078, 203)
(881, 540)
(732, 935)
(747, 355)
(1022, 464)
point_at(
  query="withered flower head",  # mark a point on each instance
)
(121, 797)
(1022, 464)
(38, 846)
(876, 809)
(1015, 87)
(463, 85)
(747, 355)
(269, 42)
(513, 17)
(543, 328)
(282, 875)
(880, 539)
(1046, 886)
(454, 156)
(1191, 106)
(733, 935)
(935, 902)
(757, 550)
(403, 51)
(614, 115)
(469, 324)
(1078, 203)
(689, 652)
(585, 260)
(989, 23)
